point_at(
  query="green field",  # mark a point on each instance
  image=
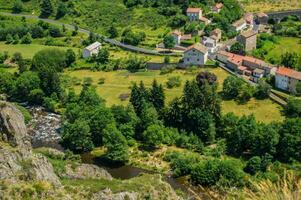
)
(284, 44)
(27, 51)
(119, 82)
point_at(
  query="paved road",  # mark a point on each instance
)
(111, 41)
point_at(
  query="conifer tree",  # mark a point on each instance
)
(46, 8)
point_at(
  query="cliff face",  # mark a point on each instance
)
(28, 175)
(17, 162)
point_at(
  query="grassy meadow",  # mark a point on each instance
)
(119, 82)
(284, 44)
(270, 5)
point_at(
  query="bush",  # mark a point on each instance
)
(253, 165)
(293, 107)
(101, 81)
(174, 81)
(167, 70)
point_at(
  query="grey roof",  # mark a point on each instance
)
(93, 46)
(259, 71)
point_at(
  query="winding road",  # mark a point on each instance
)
(108, 40)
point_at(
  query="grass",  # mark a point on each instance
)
(270, 5)
(27, 50)
(284, 44)
(119, 82)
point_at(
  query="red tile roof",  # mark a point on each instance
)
(289, 73)
(193, 10)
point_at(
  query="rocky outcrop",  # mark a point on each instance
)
(12, 127)
(17, 162)
(107, 194)
(86, 171)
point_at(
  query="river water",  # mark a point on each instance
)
(44, 129)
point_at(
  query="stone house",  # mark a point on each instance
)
(92, 49)
(216, 34)
(262, 18)
(239, 24)
(287, 79)
(196, 54)
(248, 39)
(210, 43)
(194, 14)
(249, 18)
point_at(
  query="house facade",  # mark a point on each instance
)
(210, 43)
(248, 39)
(91, 50)
(196, 54)
(287, 79)
(194, 14)
(216, 34)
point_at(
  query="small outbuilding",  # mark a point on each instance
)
(92, 49)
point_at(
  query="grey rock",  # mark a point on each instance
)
(86, 171)
(107, 194)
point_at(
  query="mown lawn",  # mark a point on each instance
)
(28, 51)
(284, 44)
(270, 5)
(119, 82)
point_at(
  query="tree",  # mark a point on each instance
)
(169, 42)
(18, 6)
(55, 31)
(293, 107)
(25, 83)
(61, 10)
(27, 39)
(46, 8)
(76, 136)
(49, 58)
(289, 59)
(112, 32)
(36, 96)
(290, 140)
(115, 142)
(103, 56)
(253, 165)
(246, 93)
(231, 86)
(263, 90)
(70, 57)
(206, 77)
(9, 39)
(89, 97)
(157, 96)
(238, 48)
(139, 96)
(7, 83)
(153, 135)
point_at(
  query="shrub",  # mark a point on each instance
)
(101, 81)
(174, 81)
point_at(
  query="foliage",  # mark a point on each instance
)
(116, 144)
(133, 38)
(46, 8)
(232, 86)
(153, 136)
(238, 48)
(293, 107)
(169, 42)
(263, 90)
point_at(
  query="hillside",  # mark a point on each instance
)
(267, 5)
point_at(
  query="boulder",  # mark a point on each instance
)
(107, 194)
(86, 171)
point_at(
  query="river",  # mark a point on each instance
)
(44, 129)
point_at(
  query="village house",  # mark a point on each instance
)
(239, 24)
(246, 65)
(216, 34)
(179, 36)
(287, 79)
(217, 7)
(262, 18)
(249, 18)
(92, 49)
(194, 14)
(210, 43)
(196, 54)
(248, 39)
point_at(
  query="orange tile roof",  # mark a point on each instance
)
(289, 72)
(193, 10)
(254, 60)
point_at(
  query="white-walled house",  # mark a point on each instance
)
(194, 14)
(210, 43)
(91, 49)
(287, 79)
(196, 54)
(177, 36)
